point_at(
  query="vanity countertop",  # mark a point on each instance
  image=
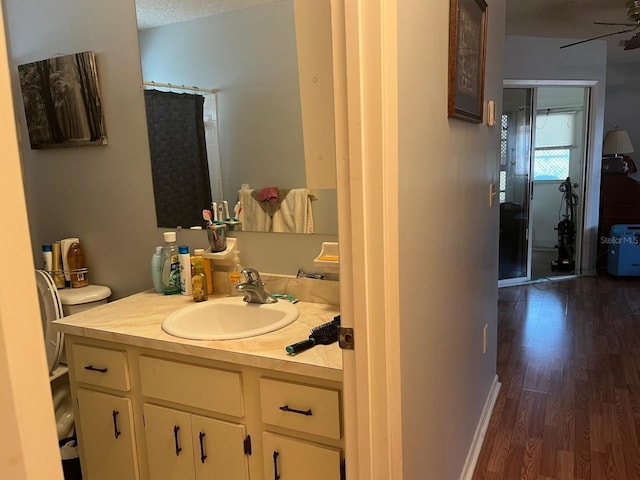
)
(136, 320)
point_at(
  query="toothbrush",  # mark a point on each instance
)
(226, 210)
(214, 207)
(206, 215)
(220, 216)
(236, 211)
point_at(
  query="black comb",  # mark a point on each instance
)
(324, 334)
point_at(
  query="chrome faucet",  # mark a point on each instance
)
(253, 288)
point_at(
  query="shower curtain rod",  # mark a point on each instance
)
(180, 87)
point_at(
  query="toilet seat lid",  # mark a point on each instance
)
(50, 310)
(88, 294)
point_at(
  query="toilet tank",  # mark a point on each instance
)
(76, 300)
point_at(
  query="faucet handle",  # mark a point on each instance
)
(252, 276)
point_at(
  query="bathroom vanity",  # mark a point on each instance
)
(153, 406)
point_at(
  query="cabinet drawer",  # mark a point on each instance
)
(201, 387)
(304, 408)
(101, 366)
(291, 459)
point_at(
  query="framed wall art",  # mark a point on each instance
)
(62, 101)
(467, 56)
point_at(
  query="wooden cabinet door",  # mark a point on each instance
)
(169, 445)
(218, 448)
(287, 458)
(107, 436)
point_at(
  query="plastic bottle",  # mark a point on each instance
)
(77, 266)
(56, 265)
(235, 275)
(199, 281)
(185, 269)
(47, 257)
(170, 265)
(156, 269)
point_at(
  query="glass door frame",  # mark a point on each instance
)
(519, 280)
(584, 242)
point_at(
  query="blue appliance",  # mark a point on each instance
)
(623, 250)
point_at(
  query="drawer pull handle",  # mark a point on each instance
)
(286, 408)
(116, 432)
(94, 369)
(176, 429)
(203, 457)
(276, 454)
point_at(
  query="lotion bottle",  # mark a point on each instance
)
(185, 269)
(47, 257)
(156, 270)
(170, 265)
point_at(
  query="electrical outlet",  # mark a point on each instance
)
(484, 338)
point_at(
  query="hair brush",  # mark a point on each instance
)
(324, 334)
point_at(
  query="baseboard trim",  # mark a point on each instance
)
(481, 430)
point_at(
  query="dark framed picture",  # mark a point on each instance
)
(467, 54)
(62, 101)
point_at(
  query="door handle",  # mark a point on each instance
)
(176, 429)
(116, 432)
(203, 456)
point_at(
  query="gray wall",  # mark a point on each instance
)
(529, 58)
(623, 102)
(448, 245)
(103, 195)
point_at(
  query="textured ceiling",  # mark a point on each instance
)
(154, 13)
(572, 19)
(534, 18)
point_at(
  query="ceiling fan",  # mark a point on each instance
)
(633, 12)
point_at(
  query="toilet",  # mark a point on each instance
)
(56, 304)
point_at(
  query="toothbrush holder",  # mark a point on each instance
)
(217, 235)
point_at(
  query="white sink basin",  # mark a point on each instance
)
(228, 318)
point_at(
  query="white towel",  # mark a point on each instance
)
(253, 217)
(295, 214)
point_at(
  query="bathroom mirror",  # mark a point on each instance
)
(271, 65)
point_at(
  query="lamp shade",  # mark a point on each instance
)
(615, 142)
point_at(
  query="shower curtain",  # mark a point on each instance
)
(179, 165)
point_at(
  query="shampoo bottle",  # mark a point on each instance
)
(170, 265)
(156, 269)
(185, 269)
(235, 275)
(56, 265)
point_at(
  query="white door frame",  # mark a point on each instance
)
(368, 197)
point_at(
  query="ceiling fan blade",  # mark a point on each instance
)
(618, 24)
(633, 43)
(599, 36)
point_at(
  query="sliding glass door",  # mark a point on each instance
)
(515, 165)
(542, 163)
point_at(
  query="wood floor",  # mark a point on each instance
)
(569, 362)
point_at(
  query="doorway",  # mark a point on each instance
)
(542, 169)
